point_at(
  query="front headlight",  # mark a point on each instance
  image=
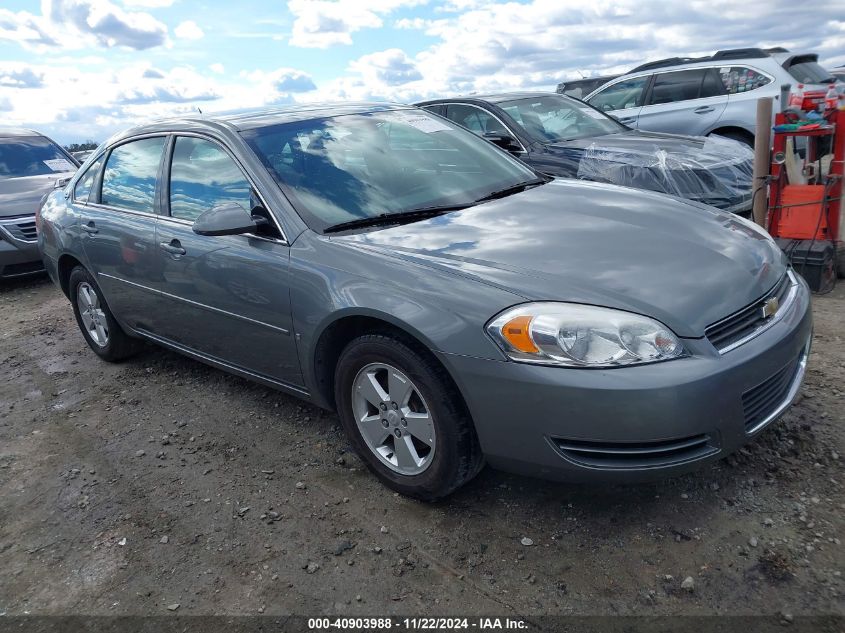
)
(575, 335)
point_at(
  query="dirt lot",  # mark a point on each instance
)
(161, 485)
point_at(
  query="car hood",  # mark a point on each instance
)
(685, 264)
(705, 151)
(21, 196)
(712, 170)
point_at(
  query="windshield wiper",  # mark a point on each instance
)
(398, 217)
(508, 191)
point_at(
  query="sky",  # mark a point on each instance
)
(84, 69)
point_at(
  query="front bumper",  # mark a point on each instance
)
(18, 258)
(635, 423)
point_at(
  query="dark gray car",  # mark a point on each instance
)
(451, 304)
(31, 165)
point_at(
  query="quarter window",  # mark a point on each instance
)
(129, 181)
(628, 93)
(84, 184)
(738, 79)
(203, 176)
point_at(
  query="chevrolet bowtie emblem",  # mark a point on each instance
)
(770, 306)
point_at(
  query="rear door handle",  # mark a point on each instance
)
(704, 109)
(90, 228)
(174, 247)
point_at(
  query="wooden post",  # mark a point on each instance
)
(762, 160)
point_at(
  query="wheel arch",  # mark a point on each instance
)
(66, 263)
(724, 130)
(347, 325)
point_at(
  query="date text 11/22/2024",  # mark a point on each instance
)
(417, 624)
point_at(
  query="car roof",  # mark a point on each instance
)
(494, 98)
(259, 117)
(9, 132)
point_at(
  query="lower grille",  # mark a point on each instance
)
(21, 228)
(632, 455)
(763, 400)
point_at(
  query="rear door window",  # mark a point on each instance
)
(130, 178)
(628, 93)
(682, 85)
(736, 79)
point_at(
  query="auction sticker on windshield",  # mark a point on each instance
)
(422, 122)
(59, 164)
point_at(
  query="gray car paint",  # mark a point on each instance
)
(442, 279)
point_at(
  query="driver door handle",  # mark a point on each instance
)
(90, 227)
(703, 109)
(174, 247)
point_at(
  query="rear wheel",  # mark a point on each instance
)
(98, 325)
(405, 417)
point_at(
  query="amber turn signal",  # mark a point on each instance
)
(516, 332)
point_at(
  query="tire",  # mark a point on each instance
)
(454, 456)
(745, 139)
(116, 345)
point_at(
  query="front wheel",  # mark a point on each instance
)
(405, 418)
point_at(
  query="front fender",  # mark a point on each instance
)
(446, 312)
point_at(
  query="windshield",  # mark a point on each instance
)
(360, 166)
(810, 72)
(553, 118)
(31, 156)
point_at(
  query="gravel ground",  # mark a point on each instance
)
(161, 485)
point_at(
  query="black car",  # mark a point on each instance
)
(580, 88)
(562, 136)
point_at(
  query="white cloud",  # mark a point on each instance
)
(74, 24)
(391, 68)
(148, 4)
(188, 30)
(218, 68)
(324, 23)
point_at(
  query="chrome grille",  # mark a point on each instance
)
(22, 229)
(622, 455)
(725, 334)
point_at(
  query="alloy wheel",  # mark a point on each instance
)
(393, 418)
(92, 314)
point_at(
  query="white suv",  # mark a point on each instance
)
(710, 95)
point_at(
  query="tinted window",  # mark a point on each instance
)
(129, 181)
(475, 119)
(31, 156)
(808, 71)
(712, 85)
(628, 93)
(736, 79)
(84, 184)
(203, 176)
(682, 85)
(359, 166)
(553, 118)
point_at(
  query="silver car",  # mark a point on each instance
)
(709, 95)
(31, 165)
(451, 304)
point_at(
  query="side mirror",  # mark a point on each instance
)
(227, 219)
(505, 141)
